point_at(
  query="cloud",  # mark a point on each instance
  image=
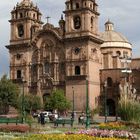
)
(124, 14)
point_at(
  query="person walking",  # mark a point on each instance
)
(42, 118)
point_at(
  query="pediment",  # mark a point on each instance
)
(48, 32)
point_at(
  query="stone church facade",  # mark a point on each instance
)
(71, 57)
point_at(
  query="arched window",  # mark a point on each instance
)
(91, 6)
(18, 74)
(20, 30)
(77, 6)
(77, 22)
(21, 15)
(46, 67)
(34, 16)
(77, 70)
(92, 18)
(85, 4)
(118, 53)
(109, 82)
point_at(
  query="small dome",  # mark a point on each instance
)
(113, 38)
(109, 22)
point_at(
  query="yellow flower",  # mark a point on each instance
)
(65, 137)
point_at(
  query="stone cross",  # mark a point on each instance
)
(48, 19)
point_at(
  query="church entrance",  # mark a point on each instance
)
(46, 97)
(111, 109)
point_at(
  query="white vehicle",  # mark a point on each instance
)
(53, 116)
(47, 113)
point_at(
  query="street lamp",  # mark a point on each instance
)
(87, 105)
(117, 98)
(105, 96)
(23, 106)
(73, 104)
(126, 60)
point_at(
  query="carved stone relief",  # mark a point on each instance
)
(94, 55)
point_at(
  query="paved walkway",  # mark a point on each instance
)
(97, 119)
(101, 119)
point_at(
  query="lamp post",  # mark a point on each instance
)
(126, 60)
(105, 94)
(117, 98)
(23, 106)
(87, 105)
(73, 104)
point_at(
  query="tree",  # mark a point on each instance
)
(8, 94)
(57, 101)
(31, 103)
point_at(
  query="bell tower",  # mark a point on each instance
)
(82, 43)
(81, 16)
(25, 22)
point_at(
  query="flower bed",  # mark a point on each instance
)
(22, 128)
(91, 134)
(131, 125)
(113, 125)
(65, 137)
(107, 133)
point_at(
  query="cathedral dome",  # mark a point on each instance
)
(112, 38)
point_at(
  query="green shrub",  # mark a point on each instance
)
(129, 109)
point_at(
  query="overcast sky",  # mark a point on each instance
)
(125, 14)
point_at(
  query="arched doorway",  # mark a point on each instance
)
(46, 97)
(111, 108)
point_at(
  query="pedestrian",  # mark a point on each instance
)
(72, 115)
(42, 118)
(38, 117)
(81, 118)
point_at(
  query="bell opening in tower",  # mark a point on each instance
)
(77, 22)
(20, 30)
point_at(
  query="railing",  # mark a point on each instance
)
(76, 77)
